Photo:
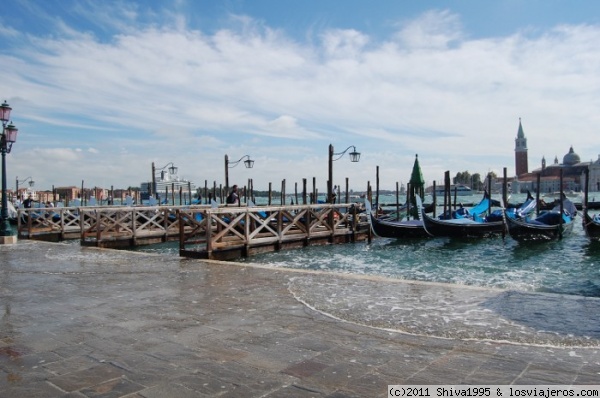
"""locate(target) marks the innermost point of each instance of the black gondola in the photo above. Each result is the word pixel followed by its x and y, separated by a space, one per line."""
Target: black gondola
pixel 387 227
pixel 548 226
pixel 463 227
pixel 591 226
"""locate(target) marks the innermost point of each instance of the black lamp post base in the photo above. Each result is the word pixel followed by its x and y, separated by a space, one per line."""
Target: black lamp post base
pixel 5 229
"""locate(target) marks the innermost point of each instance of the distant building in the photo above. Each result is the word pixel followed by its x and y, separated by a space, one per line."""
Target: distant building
pixel 572 167
pixel 521 164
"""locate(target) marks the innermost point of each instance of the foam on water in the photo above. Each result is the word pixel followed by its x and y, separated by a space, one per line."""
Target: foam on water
pixel 450 311
pixel 570 266
pixel 488 289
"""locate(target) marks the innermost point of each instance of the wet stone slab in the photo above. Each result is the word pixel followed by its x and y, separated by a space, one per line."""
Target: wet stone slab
pixel 86 322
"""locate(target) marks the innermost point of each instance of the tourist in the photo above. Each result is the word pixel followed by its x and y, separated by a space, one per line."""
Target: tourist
pixel 233 197
pixel 28 203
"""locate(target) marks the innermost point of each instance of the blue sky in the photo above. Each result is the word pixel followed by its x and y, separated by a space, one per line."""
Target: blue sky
pixel 101 89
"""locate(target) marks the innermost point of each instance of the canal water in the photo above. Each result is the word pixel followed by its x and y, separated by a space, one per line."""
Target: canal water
pixel 542 293
pixel 569 266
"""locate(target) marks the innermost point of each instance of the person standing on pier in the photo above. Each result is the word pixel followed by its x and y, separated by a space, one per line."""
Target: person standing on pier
pixel 233 197
pixel 28 203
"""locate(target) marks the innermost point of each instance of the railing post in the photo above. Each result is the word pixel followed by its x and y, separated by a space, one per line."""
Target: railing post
pixel 209 243
pixel 133 226
pixel 98 229
pixel 181 231
pixel 81 224
pixel 247 232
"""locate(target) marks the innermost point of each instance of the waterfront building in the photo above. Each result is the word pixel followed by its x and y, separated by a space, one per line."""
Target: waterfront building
pixel 521 161
pixel 572 167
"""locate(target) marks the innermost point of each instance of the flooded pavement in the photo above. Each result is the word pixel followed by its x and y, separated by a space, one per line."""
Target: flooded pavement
pixel 86 322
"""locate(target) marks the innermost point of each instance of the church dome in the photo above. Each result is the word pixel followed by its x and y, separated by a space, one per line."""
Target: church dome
pixel 571 158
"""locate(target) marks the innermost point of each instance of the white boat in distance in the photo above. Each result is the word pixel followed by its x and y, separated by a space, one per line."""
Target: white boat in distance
pixel 461 190
pixel 168 182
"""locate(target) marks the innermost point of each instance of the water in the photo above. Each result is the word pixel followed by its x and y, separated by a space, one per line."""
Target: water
pixel 569 266
pixel 550 291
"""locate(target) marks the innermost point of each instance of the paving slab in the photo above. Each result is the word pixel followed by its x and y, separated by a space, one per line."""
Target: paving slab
pixel 86 322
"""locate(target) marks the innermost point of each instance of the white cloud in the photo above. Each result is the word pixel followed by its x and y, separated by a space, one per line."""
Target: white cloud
pixel 435 29
pixel 175 93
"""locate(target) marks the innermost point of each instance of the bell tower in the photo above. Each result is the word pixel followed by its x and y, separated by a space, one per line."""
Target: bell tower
pixel 521 166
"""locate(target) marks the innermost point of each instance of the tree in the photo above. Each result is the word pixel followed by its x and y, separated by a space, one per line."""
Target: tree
pixel 463 177
pixel 477 184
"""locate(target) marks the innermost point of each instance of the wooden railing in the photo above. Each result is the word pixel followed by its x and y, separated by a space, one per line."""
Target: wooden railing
pixel 202 231
pixel 101 225
pixel 242 231
pixel 62 223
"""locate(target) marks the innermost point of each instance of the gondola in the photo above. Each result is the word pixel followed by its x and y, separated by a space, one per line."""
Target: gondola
pixel 591 225
pixel 461 226
pixel 387 227
pixel 549 225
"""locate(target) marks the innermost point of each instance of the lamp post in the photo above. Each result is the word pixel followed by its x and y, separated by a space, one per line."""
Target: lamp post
pixel 172 170
pixel 249 163
pixel 31 183
pixel 354 157
pixel 8 138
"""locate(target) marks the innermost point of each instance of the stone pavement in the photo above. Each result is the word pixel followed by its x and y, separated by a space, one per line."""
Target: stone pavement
pixel 87 322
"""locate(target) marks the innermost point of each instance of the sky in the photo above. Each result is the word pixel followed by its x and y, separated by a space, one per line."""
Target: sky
pixel 102 89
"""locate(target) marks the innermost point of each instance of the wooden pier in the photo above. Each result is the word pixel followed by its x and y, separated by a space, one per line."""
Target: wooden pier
pixel 202 231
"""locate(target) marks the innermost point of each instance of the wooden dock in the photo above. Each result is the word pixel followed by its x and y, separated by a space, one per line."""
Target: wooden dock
pixel 202 231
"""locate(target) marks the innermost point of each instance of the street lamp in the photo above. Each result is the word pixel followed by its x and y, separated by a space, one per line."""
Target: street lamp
pixel 8 138
pixel 354 157
pixel 249 163
pixel 31 183
pixel 172 170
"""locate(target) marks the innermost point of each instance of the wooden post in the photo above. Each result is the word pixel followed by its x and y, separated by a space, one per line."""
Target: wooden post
pixel 314 190
pixel 249 190
pixel 505 186
pixel 447 201
pixel 330 175
pixel 347 190
pixel 489 176
pixel 283 192
pixel 270 193
pixel 206 191
pixel 455 193
pixel 398 201
pixel 560 218
pixel 537 196
pixel 408 188
pixel 369 198
pixel 377 189
pixel 434 200
pixel 304 191
pixel 584 205
pixel 296 191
